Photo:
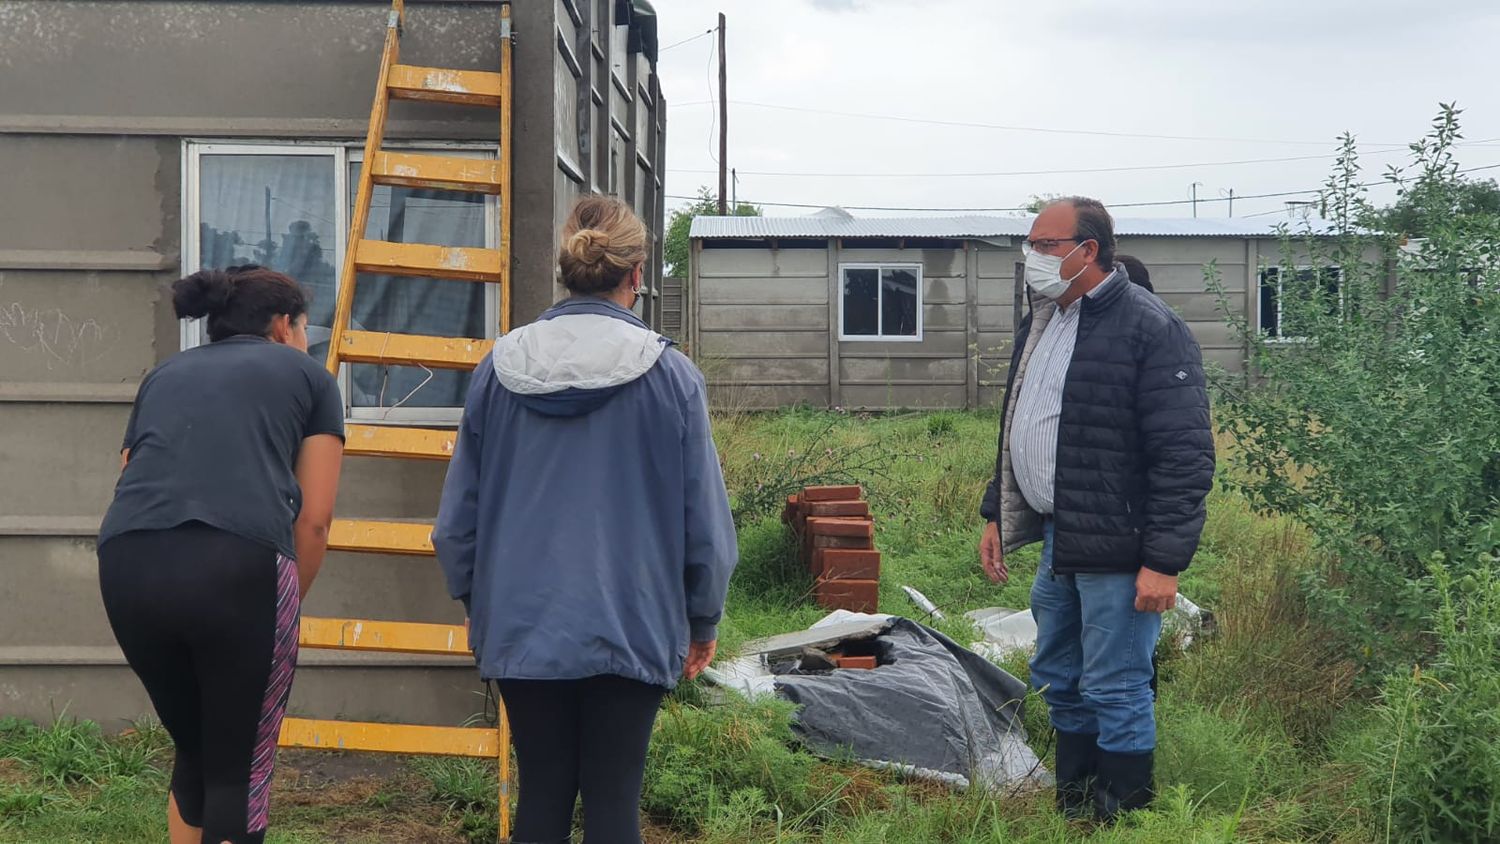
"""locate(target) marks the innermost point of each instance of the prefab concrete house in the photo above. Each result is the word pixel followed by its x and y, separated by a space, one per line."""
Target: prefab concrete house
pixel 831 310
pixel 140 141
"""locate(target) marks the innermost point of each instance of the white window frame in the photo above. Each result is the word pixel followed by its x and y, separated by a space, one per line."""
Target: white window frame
pixel 1260 283
pixel 879 297
pixel 342 154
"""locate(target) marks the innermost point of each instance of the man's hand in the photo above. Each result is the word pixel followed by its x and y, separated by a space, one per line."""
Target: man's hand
pixel 1154 591
pixel 700 654
pixel 990 555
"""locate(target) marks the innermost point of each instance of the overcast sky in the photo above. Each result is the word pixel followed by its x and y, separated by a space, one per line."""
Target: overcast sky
pixel 1231 79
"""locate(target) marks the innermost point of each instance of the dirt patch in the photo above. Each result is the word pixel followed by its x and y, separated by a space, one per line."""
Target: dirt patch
pixel 11 772
pixel 391 831
pixel 311 768
pixel 351 797
pixel 653 834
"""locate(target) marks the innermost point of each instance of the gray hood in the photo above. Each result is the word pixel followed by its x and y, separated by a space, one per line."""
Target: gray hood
pixel 576 356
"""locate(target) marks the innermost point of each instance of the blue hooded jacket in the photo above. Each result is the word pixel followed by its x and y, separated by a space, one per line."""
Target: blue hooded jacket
pixel 584 521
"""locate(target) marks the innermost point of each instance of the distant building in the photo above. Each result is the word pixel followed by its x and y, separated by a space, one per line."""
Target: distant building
pixel 833 310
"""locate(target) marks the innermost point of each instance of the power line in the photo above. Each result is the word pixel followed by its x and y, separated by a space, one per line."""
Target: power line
pixel 1038 129
pixel 1157 204
pixel 710 31
pixel 1121 169
pixel 1026 172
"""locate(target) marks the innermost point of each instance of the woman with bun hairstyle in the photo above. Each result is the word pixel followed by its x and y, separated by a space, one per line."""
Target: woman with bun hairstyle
pixel 585 527
pixel 219 523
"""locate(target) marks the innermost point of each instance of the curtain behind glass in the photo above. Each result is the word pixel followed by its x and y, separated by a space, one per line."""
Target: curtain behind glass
pixel 418 305
pixel 278 211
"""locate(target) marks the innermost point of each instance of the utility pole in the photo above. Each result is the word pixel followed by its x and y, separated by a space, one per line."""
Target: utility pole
pixel 734 189
pixel 1195 199
pixel 723 125
pixel 1231 202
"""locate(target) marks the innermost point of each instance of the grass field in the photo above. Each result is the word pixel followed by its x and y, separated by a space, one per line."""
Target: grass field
pixel 1255 724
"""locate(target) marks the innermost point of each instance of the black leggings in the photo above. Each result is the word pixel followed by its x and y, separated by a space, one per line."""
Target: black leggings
pixel 587 736
pixel 208 621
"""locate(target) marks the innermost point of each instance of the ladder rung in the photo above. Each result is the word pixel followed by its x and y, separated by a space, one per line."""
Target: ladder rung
pixel 371 537
pixel 437 172
pixel 478 742
pixel 413 350
pixel 399 637
pixel 435 84
pixel 388 441
pixel 428 261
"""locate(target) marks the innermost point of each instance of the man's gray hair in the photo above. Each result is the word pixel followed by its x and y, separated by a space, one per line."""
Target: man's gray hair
pixel 1094 223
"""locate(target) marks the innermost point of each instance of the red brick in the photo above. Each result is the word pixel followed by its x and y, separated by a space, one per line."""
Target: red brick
pixel 790 512
pixel 839 508
pixel 862 542
pixel 862 662
pixel 847 564
pixel 840 527
pixel 832 493
pixel 854 595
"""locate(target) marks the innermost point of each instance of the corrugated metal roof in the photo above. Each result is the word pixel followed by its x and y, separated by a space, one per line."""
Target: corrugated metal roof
pixel 837 223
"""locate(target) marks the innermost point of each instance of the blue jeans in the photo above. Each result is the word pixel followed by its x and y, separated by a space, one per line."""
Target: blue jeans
pixel 1093 655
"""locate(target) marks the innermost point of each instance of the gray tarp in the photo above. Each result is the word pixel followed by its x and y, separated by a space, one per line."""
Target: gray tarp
pixel 931 707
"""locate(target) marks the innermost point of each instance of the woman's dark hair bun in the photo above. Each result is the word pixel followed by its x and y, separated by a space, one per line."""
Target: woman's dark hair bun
pixel 203 293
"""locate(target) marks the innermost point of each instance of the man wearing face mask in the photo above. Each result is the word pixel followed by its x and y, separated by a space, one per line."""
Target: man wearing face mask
pixel 1106 457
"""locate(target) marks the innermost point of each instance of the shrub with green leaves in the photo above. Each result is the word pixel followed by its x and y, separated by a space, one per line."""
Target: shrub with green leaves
pixel 1431 756
pixel 1375 417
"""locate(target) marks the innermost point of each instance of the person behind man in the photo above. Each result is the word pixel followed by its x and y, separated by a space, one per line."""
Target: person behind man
pixel 586 529
pixel 1136 270
pixel 1106 457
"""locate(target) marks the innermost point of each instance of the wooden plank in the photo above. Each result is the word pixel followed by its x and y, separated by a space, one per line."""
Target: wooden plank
pixel 437 172
pixel 835 302
pixel 475 742
pixel 971 324
pixel 372 537
pixel 771 344
pixel 413 350
pixel 388 441
pixel 934 262
pixel 787 371
pixel 764 263
pixel 904 396
pixel 427 261
pixel 443 85
pixel 395 637
pixel 896 370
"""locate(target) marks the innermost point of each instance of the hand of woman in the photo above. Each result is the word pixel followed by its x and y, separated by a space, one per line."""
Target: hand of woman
pixel 700 654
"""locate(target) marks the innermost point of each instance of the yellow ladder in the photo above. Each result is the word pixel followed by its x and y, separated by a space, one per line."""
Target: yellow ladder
pixel 484 89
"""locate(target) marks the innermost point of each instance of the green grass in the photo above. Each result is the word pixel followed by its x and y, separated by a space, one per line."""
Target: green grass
pixel 1250 720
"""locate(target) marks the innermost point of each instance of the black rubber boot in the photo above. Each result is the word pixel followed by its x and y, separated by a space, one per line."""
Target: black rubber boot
pixel 1122 784
pixel 1076 761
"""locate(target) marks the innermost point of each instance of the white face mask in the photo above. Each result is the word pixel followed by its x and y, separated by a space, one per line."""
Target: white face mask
pixel 1044 274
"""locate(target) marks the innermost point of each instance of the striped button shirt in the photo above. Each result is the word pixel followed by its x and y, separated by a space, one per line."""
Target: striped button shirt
pixel 1033 428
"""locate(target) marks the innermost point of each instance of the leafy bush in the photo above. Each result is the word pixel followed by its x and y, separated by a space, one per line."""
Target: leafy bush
pixel 1376 422
pixel 1431 758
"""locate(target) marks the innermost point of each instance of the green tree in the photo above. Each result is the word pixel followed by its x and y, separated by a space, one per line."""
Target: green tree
pixel 678 246
pixel 1431 187
pixel 1375 417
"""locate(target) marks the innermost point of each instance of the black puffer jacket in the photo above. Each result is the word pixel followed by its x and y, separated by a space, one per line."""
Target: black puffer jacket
pixel 1135 449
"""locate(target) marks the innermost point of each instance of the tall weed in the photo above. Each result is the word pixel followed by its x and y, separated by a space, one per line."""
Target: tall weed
pixel 1431 756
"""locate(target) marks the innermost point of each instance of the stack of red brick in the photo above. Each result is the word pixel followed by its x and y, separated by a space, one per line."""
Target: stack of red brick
pixel 837 536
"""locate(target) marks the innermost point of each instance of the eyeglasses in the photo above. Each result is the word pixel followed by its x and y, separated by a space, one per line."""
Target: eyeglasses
pixel 1048 245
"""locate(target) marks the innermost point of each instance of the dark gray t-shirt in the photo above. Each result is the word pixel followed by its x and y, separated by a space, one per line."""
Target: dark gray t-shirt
pixel 214 438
